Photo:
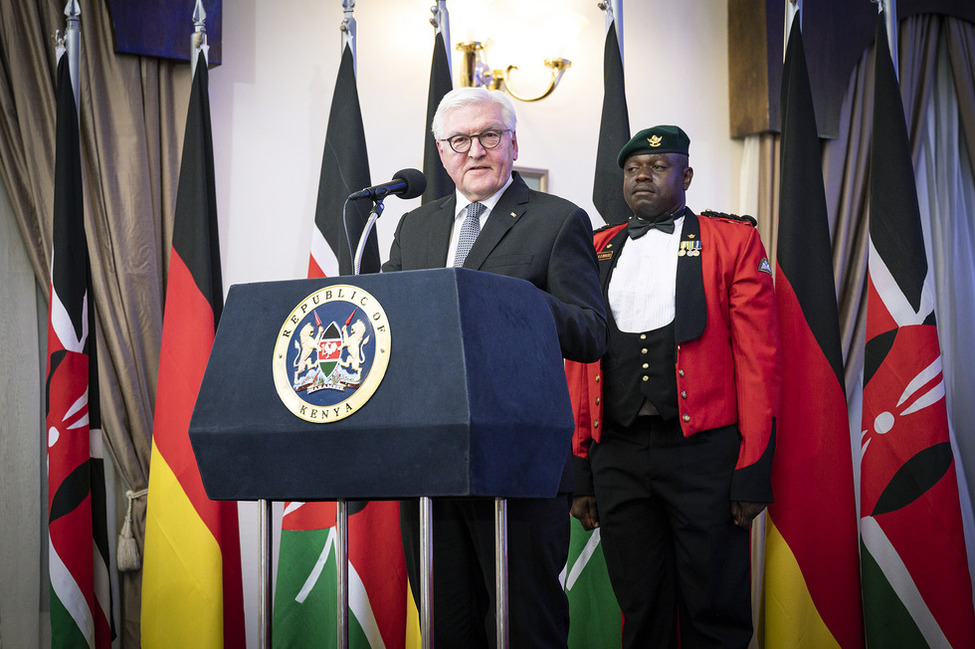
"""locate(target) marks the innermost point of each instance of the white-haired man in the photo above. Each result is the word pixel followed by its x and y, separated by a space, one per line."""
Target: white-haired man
pixel 495 223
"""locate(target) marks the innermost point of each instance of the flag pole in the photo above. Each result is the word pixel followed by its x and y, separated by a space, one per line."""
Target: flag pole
pixel 889 9
pixel 348 29
pixel 72 32
pixel 613 10
pixel 441 25
pixel 792 7
pixel 198 41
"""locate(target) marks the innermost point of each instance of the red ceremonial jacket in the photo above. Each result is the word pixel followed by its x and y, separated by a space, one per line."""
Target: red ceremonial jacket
pixel 727 338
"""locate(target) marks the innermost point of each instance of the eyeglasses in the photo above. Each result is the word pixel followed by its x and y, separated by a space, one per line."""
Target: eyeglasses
pixel 489 139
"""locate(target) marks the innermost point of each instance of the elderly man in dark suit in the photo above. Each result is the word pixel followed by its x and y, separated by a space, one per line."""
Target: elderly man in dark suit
pixel 495 223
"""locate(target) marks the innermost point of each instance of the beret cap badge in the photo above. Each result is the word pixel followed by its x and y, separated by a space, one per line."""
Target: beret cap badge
pixel 655 140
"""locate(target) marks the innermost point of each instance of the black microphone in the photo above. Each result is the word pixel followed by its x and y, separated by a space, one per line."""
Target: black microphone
pixel 406 183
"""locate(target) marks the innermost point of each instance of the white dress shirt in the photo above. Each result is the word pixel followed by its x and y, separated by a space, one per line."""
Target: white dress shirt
pixel 643 286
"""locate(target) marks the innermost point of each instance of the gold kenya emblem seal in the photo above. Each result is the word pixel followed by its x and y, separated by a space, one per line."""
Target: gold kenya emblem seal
pixel 331 353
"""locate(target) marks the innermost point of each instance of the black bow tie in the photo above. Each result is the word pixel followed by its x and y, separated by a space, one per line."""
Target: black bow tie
pixel 638 227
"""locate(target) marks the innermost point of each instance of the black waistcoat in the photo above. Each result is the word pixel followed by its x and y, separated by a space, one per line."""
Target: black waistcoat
pixel 637 367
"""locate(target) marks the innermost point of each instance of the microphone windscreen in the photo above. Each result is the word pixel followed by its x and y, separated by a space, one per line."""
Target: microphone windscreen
pixel 415 181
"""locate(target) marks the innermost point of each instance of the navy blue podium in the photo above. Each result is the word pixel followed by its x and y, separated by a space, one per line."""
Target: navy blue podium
pixel 473 402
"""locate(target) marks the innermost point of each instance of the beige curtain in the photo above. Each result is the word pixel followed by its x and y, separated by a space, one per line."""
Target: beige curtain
pixel 845 162
pixel 960 36
pixel 21 384
pixel 767 210
pixel 132 111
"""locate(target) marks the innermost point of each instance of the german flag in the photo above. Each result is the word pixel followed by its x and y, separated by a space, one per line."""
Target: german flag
pixel 191 580
pixel 811 587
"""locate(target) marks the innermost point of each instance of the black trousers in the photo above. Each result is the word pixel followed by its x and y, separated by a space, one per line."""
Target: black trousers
pixel 463 570
pixel 672 549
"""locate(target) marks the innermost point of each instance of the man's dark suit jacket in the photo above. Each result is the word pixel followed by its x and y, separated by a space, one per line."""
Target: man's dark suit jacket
pixel 530 235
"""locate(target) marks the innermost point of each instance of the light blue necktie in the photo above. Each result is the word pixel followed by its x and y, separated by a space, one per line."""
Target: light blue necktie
pixel 468 232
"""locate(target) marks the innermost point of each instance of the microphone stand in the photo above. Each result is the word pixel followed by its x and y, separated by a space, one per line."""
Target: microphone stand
pixel 426 522
pixel 377 209
pixel 341 505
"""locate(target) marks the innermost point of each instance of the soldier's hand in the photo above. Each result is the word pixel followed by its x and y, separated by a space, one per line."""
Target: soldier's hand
pixel 744 512
pixel 584 508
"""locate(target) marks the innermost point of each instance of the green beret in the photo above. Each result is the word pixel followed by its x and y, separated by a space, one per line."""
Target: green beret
pixel 657 139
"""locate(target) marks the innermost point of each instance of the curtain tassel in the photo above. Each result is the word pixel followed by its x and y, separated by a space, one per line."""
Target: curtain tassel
pixel 127 554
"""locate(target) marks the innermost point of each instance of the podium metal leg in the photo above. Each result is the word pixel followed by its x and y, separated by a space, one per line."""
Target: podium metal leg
pixel 501 570
pixel 426 573
pixel 342 573
pixel 264 599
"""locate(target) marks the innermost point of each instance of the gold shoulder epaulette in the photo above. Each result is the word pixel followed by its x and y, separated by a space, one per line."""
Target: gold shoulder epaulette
pixel 744 218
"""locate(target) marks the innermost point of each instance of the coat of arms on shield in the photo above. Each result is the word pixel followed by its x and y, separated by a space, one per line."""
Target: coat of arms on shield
pixel 331 353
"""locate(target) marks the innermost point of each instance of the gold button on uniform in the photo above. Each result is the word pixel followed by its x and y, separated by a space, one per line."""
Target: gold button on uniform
pixel 645 378
pixel 686 417
pixel 597 378
pixel 646 366
pixel 643 351
pixel 683 394
pixel 681 372
pixel 595 423
pixel 643 336
pixel 597 401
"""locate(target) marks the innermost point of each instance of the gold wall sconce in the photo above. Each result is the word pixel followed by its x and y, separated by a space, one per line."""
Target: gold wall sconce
pixel 477 73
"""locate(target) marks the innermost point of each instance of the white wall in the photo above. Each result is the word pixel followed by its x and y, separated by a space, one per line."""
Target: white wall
pixel 270 98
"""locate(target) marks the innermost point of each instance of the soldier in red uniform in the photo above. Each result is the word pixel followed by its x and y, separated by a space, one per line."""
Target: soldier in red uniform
pixel 675 426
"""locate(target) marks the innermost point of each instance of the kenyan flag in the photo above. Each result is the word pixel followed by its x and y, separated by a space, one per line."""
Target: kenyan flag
pixel 305 592
pixel 916 587
pixel 594 616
